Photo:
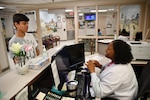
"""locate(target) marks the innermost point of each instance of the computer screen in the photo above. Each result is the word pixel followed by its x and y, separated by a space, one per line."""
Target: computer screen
pixel 70 57
pixel 67 59
pixel 90 16
pixel 62 59
pixel 76 55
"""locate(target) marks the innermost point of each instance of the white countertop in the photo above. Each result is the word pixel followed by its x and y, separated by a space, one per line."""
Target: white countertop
pixel 107 41
pixel 11 82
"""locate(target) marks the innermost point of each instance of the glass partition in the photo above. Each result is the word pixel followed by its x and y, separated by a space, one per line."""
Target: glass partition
pixel 107 20
pixel 58 22
pixel 129 19
pixel 86 21
pixel 87 27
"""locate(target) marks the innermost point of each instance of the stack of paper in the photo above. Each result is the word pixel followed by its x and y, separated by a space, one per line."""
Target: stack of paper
pixel 38 63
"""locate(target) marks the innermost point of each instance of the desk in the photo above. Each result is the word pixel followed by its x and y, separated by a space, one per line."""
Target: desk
pixel 140 50
pixel 11 83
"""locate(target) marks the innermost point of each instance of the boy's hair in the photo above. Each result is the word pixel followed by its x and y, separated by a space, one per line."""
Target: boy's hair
pixel 19 17
pixel 122 51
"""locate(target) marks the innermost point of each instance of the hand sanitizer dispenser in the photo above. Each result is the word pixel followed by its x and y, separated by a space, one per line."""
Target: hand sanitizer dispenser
pixel 45 54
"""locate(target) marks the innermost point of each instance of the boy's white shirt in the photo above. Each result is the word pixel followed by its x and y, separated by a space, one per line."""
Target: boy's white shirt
pixel 30 40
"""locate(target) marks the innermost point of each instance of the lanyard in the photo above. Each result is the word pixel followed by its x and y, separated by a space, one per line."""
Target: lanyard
pixel 108 65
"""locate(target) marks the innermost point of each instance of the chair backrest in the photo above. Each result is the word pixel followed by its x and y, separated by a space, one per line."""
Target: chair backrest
pixel 144 80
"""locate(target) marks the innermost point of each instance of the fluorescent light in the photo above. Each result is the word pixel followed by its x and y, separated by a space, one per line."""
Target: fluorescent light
pixel 99 10
pixel 102 10
pixel 2 7
pixel 80 14
pixel 93 10
pixel 110 9
pixel 68 10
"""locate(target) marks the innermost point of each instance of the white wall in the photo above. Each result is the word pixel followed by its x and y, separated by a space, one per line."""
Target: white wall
pixel 47 16
pixel 32 21
pixel 85 32
pixel 61 32
pixel 104 20
pixel 8 23
pixel 3 52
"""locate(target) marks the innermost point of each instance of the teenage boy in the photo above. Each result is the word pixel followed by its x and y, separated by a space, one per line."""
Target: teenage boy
pixel 20 22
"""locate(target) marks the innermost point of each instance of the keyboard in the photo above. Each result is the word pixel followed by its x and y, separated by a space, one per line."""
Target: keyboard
pixel 52 96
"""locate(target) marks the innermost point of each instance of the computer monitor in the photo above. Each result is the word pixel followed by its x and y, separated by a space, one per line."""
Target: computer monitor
pixel 76 55
pixel 62 59
pixel 68 58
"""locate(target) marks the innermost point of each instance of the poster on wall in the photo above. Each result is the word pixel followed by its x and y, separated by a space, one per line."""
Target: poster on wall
pixel 59 25
pixel 3 27
pixel 64 19
pixel 91 25
pixel 58 18
pixel 82 24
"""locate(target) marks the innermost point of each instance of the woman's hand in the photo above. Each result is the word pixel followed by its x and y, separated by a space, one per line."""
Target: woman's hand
pixel 97 64
pixel 91 66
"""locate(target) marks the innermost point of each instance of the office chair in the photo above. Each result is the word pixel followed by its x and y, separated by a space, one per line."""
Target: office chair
pixel 144 83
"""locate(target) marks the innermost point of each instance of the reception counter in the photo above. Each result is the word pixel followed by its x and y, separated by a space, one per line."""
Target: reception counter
pixel 11 83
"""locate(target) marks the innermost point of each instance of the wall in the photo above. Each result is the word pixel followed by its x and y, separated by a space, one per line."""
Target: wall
pixel 104 20
pixel 62 31
pixel 3 52
pixel 49 16
pixel 129 18
pixel 87 30
pixel 32 21
pixel 8 16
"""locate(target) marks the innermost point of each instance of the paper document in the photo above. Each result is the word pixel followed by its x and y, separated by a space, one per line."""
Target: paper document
pixel 40 96
pixel 100 58
pixel 55 74
pixel 67 98
pixel 71 75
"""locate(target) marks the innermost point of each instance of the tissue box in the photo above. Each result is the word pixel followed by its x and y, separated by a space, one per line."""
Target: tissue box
pixel 38 63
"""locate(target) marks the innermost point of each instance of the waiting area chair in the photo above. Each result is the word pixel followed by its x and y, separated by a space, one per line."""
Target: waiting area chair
pixel 144 83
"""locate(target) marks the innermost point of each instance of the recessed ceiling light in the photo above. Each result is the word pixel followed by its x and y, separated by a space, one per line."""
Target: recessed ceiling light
pixel 2 7
pixel 80 14
pixel 99 10
pixel 68 10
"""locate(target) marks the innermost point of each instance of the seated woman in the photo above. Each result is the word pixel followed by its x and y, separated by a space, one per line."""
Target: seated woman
pixel 117 79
